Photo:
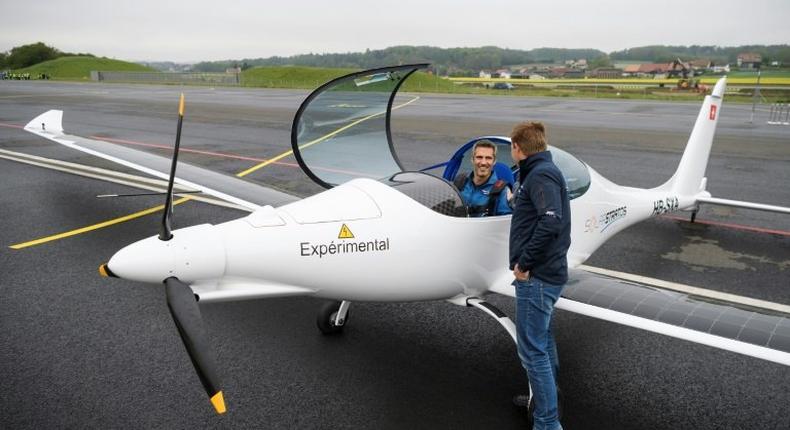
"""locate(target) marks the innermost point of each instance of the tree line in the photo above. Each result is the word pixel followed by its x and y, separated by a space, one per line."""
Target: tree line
pixel 28 55
pixel 459 61
pixel 717 54
pixel 443 60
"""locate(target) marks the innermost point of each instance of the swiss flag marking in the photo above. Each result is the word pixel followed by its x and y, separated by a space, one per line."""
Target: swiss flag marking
pixel 712 115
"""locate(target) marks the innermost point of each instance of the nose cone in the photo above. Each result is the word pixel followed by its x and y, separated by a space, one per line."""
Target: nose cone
pixel 194 253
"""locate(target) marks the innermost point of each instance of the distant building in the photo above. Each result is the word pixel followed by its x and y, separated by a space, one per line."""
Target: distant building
pixel 647 70
pixel 576 64
pixel 503 73
pixel 606 73
pixel 631 70
pixel 557 72
pixel 749 60
pixel 485 74
pixel 233 70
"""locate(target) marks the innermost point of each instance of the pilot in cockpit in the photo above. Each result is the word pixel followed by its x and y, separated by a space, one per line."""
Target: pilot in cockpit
pixel 483 192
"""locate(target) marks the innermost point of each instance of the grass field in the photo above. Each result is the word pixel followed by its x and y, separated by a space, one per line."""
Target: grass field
pixel 79 68
pixel 312 77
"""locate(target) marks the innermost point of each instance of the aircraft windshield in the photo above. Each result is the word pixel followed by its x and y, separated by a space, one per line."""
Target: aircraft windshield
pixel 342 130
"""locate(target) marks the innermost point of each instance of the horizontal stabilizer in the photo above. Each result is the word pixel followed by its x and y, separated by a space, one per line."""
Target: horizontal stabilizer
pixel 227 188
pixel 744 205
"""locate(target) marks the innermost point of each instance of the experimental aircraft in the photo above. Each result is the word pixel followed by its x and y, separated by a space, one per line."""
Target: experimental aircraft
pixel 360 242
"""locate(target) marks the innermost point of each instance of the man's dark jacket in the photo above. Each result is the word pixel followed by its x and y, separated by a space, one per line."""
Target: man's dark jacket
pixel 540 231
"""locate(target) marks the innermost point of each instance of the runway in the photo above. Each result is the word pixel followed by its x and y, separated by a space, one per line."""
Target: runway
pixel 83 351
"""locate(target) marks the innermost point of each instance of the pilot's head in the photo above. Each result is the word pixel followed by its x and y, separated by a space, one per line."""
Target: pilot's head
pixel 483 159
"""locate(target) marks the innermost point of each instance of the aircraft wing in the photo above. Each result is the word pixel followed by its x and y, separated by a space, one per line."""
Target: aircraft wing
pixel 751 330
pixel 233 190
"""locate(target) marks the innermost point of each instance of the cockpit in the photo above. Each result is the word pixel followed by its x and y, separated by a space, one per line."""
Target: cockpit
pixel 342 132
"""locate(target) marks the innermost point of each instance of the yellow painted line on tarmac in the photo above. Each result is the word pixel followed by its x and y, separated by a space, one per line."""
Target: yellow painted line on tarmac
pixel 321 139
pixel 95 226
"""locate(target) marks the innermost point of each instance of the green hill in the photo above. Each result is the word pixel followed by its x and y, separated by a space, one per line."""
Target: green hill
pixel 290 77
pixel 80 67
pixel 312 77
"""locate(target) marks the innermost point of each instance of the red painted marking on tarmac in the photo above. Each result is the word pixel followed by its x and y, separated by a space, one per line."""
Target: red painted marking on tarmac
pixel 732 226
pixel 195 151
pixel 225 155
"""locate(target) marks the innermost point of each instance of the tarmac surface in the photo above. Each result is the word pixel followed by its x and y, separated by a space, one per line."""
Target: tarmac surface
pixel 81 351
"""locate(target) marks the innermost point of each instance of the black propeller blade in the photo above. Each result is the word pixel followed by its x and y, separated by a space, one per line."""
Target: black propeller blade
pixel 184 309
pixel 165 229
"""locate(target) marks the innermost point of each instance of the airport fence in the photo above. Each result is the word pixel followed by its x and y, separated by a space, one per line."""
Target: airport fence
pixel 190 78
pixel 780 114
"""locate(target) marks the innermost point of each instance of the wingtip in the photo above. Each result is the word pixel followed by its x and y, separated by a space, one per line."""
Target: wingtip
pixel 50 121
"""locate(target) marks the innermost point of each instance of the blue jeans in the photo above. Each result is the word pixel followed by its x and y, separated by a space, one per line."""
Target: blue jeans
pixel 537 350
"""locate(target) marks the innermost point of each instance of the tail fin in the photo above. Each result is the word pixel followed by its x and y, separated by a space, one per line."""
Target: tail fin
pixel 690 175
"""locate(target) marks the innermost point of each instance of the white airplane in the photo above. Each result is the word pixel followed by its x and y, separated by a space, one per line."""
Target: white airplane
pixel 382 234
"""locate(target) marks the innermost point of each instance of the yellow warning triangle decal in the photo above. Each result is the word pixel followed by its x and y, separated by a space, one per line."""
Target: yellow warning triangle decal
pixel 345 233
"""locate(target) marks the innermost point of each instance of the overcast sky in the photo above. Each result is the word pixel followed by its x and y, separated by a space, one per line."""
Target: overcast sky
pixel 189 31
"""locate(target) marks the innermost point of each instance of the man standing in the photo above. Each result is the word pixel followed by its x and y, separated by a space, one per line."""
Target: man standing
pixel 540 235
pixel 484 194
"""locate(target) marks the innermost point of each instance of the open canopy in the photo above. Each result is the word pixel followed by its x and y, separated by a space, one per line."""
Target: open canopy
pixel 342 130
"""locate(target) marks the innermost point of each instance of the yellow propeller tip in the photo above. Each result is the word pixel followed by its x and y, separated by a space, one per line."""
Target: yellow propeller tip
pixel 105 271
pixel 181 105
pixel 218 400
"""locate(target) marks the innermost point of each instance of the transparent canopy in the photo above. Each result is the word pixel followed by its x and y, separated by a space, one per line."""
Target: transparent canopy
pixel 342 130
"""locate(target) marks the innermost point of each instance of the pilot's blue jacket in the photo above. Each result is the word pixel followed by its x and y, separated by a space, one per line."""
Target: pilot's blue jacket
pixel 540 231
pixel 477 197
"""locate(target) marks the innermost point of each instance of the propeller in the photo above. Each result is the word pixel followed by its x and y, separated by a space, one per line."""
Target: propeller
pixel 186 314
pixel 182 302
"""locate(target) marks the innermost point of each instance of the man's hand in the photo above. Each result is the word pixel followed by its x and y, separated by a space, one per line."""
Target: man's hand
pixel 520 276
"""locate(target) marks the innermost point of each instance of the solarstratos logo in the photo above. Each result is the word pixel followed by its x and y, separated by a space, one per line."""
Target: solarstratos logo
pixel 601 222
pixel 344 245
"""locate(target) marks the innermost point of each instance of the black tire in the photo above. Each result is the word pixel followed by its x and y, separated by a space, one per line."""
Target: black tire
pixel 326 317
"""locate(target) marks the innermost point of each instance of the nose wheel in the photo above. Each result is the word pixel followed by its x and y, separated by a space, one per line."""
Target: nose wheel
pixel 332 317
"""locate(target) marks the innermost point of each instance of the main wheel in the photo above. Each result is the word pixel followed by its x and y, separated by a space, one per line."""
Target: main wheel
pixel 326 318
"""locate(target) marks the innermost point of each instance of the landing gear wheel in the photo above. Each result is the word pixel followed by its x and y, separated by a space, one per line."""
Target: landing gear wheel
pixel 326 318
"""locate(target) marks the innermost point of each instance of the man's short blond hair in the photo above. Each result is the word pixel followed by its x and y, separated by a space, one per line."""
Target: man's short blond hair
pixel 484 143
pixel 530 136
